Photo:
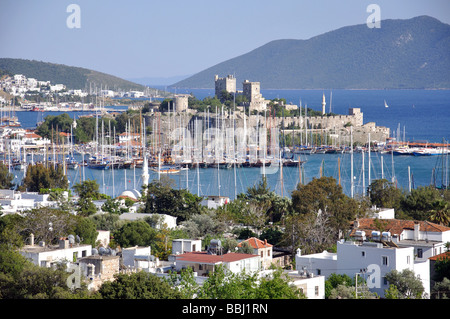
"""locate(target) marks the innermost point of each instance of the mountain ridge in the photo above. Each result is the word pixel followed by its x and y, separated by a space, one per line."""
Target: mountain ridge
pixel 402 54
pixel 72 77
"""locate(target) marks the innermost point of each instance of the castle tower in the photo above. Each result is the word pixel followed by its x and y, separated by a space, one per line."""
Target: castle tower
pixel 323 104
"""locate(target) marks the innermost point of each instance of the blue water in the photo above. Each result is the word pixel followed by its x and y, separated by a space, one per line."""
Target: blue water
pixel 424 114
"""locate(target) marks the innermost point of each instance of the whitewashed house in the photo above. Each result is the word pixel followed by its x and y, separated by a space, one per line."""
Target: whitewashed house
pixel 45 256
pixel 204 263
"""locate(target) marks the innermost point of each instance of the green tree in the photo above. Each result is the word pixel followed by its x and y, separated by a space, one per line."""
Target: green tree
pixel 320 212
pixel 409 286
pixel 86 229
pixel 46 224
pixel 39 176
pixel 107 221
pixel 88 189
pixel 6 177
pixel 441 290
pixel 418 204
pixel 161 198
pixel 136 233
pixel 442 268
pixel 202 225
pixel 385 194
pixel 141 285
pixel 20 279
pixel 184 282
pixel 334 280
pixel 227 285
pixel 440 213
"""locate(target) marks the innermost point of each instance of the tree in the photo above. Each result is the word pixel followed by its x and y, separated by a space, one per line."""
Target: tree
pixel 202 225
pixel 419 203
pixel 136 233
pixel 442 268
pixel 161 198
pixel 408 285
pixel 88 189
pixel 85 228
pixel 227 285
pixel 245 248
pixel 6 177
pixel 87 192
pixel 39 176
pixel 321 212
pixel 383 193
pixel 440 214
pixel 46 224
pixel 334 280
pixel 441 290
pixel 141 285
pixel 20 279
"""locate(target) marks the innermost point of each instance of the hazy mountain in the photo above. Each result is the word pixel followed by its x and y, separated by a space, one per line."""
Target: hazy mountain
pixel 158 81
pixel 412 53
pixel 72 77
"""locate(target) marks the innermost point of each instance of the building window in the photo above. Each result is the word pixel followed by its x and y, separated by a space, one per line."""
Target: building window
pixel 262 254
pixel 385 282
pixel 419 252
pixel 384 260
pixel 316 290
pixel 363 254
pixel 318 272
pixel 408 260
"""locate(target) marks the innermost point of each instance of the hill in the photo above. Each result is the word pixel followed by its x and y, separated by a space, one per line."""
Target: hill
pixel 411 53
pixel 72 77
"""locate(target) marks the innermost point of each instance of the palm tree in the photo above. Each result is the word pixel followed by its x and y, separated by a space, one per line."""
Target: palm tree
pixel 440 214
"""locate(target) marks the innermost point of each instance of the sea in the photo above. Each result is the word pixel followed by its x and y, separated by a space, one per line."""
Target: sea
pixel 412 115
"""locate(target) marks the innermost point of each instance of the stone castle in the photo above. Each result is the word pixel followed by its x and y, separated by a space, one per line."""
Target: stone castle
pixel 337 126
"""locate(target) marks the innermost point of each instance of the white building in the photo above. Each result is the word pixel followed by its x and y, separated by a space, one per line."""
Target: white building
pixel 261 248
pixel 427 239
pixel 138 257
pixel 170 221
pixel 312 286
pixel 370 260
pixel 181 246
pixel 44 256
pixel 216 201
pixel 204 263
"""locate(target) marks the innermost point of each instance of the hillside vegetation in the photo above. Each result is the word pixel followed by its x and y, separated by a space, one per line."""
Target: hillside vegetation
pixel 412 53
pixel 71 77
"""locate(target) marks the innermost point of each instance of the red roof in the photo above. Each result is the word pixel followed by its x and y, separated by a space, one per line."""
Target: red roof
pixel 256 243
pixel 445 255
pixel 397 226
pixel 32 135
pixel 205 258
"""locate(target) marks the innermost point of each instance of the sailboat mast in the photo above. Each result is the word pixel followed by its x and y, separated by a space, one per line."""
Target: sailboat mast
pixel 351 161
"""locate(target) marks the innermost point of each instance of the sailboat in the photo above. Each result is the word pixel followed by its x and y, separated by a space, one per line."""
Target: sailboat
pixel 385 104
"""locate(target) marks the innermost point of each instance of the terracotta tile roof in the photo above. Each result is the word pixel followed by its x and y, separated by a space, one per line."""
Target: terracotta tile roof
pixel 445 255
pixel 256 243
pixel 32 135
pixel 205 258
pixel 396 226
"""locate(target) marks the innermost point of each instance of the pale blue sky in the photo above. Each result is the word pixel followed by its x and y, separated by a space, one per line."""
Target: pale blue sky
pixel 138 38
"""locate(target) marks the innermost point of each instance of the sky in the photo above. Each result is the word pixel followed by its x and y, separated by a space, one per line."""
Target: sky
pixel 166 38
